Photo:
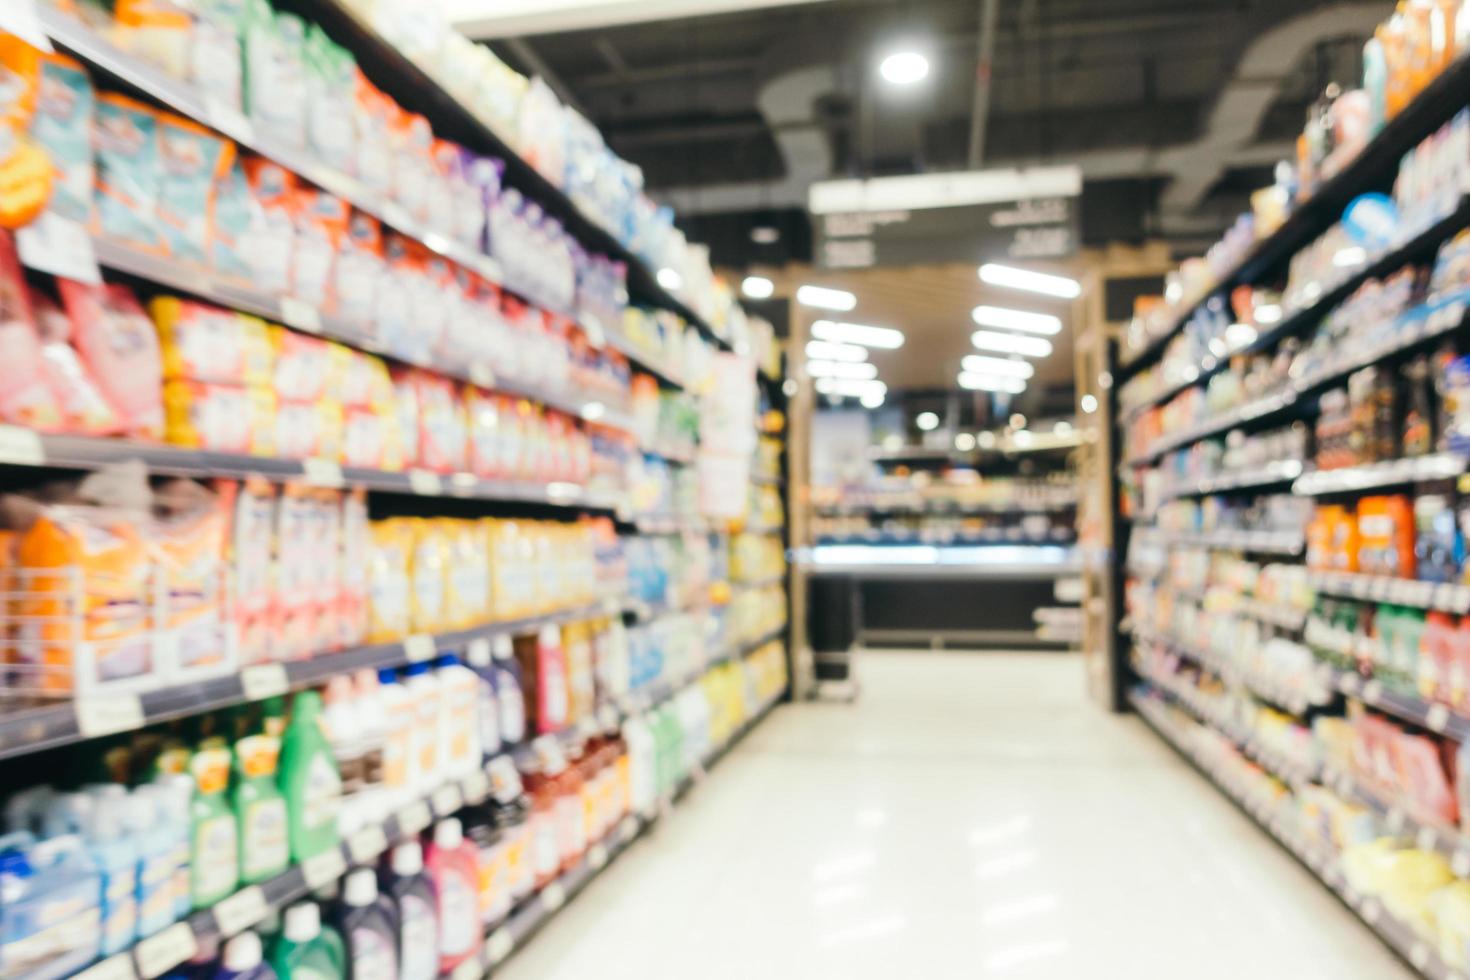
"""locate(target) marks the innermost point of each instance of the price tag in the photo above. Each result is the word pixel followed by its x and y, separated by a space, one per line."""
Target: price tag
pixel 19 17
pixel 470 969
pixel 300 315
pixel 21 446
pixel 481 375
pixel 628 829
pixel 163 951
pixel 240 911
pixel 476 787
pixel 505 778
pixel 1371 911
pixel 414 817
pixel 326 867
pixel 1419 956
pixel 119 967
pixel 425 484
pixel 367 844
pixel 264 681
pixel 553 897
pixel 477 652
pixel 499 945
pixel 418 648
pixel 98 715
pixel 228 119
pixel 1426 838
pixel 597 857
pixel 504 647
pixel 322 473
pixel 1437 717
pixel 447 800
pixel 59 246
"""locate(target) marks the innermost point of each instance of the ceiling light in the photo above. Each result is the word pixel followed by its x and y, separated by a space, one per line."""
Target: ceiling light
pixel 904 68
pixel 872 398
pixel 979 364
pixel 758 287
pixel 841 369
pixel 975 381
pixel 964 442
pixel 1239 335
pixel 1033 282
pixel 1270 313
pixel 1007 319
pixel 823 350
pixel 670 279
pixel 1089 404
pixel 986 440
pixel 765 235
pixel 926 421
pixel 857 333
pixel 1346 258
pixel 1011 343
pixel 849 387
pixel 826 299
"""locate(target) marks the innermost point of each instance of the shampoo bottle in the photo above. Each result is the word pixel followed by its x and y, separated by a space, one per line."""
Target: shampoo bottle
pixel 309 781
pixel 418 922
pixel 454 870
pixel 115 854
pixel 368 929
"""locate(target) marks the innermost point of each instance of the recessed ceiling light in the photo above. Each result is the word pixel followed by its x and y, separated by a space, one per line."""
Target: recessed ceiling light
pixel 1033 282
pixel 765 235
pixel 872 398
pixel 904 68
pixel 670 279
pixel 979 364
pixel 964 442
pixel 975 381
pixel 823 350
pixel 1018 421
pixel 926 421
pixel 841 369
pixel 758 287
pixel 824 298
pixel 849 387
pixel 1089 404
pixel 1011 343
pixel 886 338
pixel 1008 319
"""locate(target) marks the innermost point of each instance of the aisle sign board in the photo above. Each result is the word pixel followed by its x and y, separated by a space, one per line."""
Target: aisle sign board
pixel 975 216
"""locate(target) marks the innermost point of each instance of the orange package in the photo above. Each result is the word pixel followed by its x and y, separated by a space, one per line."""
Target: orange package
pixel 372 117
pixel 412 143
pixel 86 616
pixel 321 226
pixel 252 556
pixel 272 194
pixel 189 541
pixel 358 269
pixel 26 173
pixel 1386 536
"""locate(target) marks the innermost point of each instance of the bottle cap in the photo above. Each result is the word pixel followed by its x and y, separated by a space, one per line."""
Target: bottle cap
pixel 448 833
pixel 408 859
pixel 303 922
pixel 242 953
pixel 361 889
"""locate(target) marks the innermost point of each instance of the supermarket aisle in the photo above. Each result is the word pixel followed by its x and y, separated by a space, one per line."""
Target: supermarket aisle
pixel 971 816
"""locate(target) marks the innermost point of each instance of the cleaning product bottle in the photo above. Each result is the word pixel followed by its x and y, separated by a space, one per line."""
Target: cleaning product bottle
pixel 454 869
pixel 399 717
pixel 215 835
pixel 242 958
pixel 115 853
pixel 309 781
pixel 418 922
pixel 175 797
pixel 487 705
pixel 459 735
pixel 341 723
pixel 425 693
pixel 304 951
pixel 157 863
pixel 374 731
pixel 260 809
pixel 368 928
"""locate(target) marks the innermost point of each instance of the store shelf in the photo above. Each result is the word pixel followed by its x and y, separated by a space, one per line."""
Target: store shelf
pixel 25 730
pixel 1276 821
pixel 1427 835
pixel 940 510
pixel 1255 542
pixel 1443 596
pixel 943 538
pixel 414 89
pixel 1296 695
pixel 1374 168
pixel 1273 473
pixel 1390 473
pixel 1260 409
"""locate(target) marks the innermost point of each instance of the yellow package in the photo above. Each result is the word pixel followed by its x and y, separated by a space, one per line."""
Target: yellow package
pixel 261 408
pixel 331 425
pixel 26 171
pixel 85 618
pixel 190 546
pixel 364 439
pixel 218 417
pixel 388 580
pixel 156 30
pixel 339 366
pixel 199 342
pixel 468 600
pixel 260 351
pixel 428 572
pixel 501 542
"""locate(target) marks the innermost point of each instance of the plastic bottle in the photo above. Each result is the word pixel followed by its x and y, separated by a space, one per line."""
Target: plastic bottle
pixel 487 703
pixel 418 923
pixel 309 781
pixel 243 958
pixel 425 694
pixel 453 868
pixel 399 758
pixel 52 895
pixel 260 809
pixel 175 798
pixel 369 929
pixel 512 701
pixel 214 851
pixel 115 853
pixel 341 721
pixel 304 950
pixel 459 733
pixel 155 841
pixel 373 728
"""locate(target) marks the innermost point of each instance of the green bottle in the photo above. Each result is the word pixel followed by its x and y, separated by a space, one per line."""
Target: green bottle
pixel 306 951
pixel 260 809
pixel 214 867
pixel 309 780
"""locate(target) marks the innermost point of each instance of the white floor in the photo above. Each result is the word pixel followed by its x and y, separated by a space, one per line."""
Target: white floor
pixel 971 816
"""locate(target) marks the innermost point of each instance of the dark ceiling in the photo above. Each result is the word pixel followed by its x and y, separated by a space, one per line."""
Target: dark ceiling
pixel 1175 109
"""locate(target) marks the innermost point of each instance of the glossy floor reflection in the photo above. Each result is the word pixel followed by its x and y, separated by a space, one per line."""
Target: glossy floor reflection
pixel 972 815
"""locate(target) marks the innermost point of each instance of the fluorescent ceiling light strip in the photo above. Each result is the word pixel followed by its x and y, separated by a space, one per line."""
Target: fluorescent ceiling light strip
pixel 979 364
pixel 1010 343
pixel 885 338
pixel 842 369
pixel 991 382
pixel 1022 320
pixel 1032 282
pixel 824 298
pixel 849 387
pixel 758 287
pixel 823 350
pixel 943 190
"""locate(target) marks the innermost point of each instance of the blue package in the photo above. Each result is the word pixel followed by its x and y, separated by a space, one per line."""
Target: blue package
pixel 127 172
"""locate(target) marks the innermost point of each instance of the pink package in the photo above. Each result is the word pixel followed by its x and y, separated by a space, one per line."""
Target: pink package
pixel 442 436
pixel 1422 774
pixel 25 397
pixel 84 410
pixel 302 367
pixel 482 410
pixel 119 348
pixel 406 403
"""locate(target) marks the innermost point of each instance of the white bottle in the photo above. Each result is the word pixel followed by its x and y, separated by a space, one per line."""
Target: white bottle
pixel 427 768
pixel 400 754
pixel 459 730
